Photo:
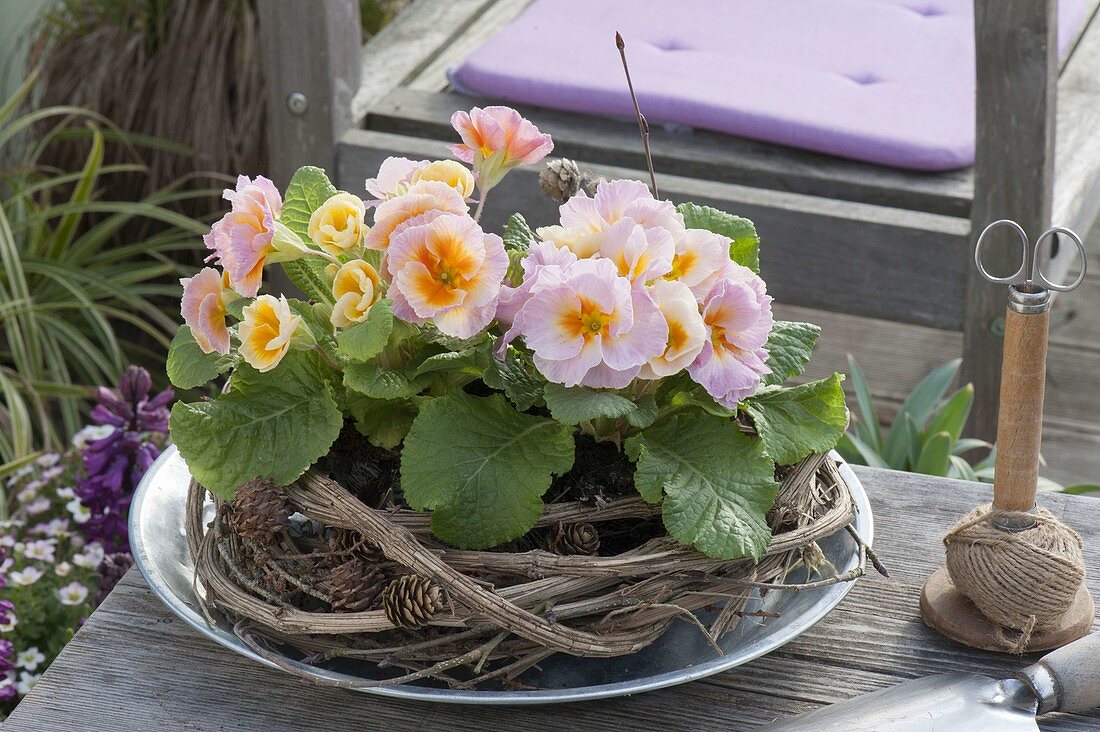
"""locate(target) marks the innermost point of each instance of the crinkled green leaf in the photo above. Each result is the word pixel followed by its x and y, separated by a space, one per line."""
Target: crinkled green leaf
pixel 517 234
pixel 363 341
pixel 645 412
pixel 744 241
pixel 384 422
pixel 482 468
pixel 188 366
pixel 471 361
pixel 573 405
pixel 800 420
pixel 935 455
pixel 516 378
pixel 370 379
pixel 789 348
pixel 718 484
pixel 272 425
pixel 308 189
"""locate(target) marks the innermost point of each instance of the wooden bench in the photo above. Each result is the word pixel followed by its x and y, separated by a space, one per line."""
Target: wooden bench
pixel 134 667
pixel 891 246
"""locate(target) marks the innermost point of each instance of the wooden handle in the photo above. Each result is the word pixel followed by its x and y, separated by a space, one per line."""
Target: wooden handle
pixel 1068 679
pixel 1020 425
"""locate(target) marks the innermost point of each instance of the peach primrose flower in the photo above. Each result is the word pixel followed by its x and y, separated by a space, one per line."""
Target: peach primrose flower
pixel 337 225
pixel 241 239
pixel 354 288
pixel 585 220
pixel 639 254
pixel 447 270
pixel 590 326
pixel 495 140
pixel 454 174
pixel 203 306
pixel 701 260
pixel 686 330
pixel 539 256
pixel 394 176
pixel 410 208
pixel 266 331
pixel 738 318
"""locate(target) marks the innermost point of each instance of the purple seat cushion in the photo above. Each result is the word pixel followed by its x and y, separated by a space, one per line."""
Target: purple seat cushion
pixel 887 81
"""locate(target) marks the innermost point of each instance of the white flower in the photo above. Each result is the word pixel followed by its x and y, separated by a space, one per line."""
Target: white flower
pixel 7 541
pixel 73 593
pixel 52 472
pixel 63 569
pixel 56 527
pixel 66 493
pixel 42 550
pixel 48 460
pixel 38 506
pixel 91 557
pixel 91 433
pixel 9 626
pixel 27 576
pixel 27 682
pixel 6 565
pixel 29 659
pixel 79 511
pixel 27 494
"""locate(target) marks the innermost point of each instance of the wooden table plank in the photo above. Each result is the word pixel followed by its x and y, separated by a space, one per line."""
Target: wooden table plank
pixel 133 666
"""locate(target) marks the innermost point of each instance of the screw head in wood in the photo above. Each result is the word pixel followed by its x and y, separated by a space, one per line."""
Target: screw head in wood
pixel 297 103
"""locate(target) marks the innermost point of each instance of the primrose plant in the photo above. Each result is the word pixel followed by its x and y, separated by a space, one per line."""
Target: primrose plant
pixel 482 357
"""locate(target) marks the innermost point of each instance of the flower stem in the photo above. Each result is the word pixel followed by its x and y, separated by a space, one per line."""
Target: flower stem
pixel 480 206
pixel 643 125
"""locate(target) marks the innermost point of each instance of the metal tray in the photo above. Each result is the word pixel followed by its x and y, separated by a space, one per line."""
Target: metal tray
pixel 682 654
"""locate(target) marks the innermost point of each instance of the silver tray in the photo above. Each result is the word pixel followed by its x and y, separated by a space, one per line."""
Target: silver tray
pixel 682 654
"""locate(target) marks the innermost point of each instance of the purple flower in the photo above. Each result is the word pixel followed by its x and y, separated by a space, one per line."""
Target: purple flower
pixel 114 464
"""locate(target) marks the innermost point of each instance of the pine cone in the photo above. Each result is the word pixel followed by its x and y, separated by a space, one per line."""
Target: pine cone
pixel 260 511
pixel 411 601
pixel 579 539
pixel 354 586
pixel 560 179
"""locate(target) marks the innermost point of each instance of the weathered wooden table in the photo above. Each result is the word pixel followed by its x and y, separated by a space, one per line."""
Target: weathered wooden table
pixel 134 666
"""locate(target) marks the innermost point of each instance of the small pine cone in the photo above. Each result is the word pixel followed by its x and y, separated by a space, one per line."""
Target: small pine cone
pixel 260 511
pixel 411 601
pixel 579 539
pixel 560 179
pixel 354 586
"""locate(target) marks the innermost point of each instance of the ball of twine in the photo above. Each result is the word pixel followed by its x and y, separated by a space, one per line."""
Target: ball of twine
pixel 1021 580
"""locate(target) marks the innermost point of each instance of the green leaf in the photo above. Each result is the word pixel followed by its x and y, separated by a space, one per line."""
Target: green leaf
pixel 1082 489
pixel 645 412
pixel 372 380
pixel 308 189
pixel 789 348
pixel 188 366
pixel 471 361
pixel 272 425
pixel 744 241
pixel 851 447
pixel 384 422
pixel 514 274
pixel 867 427
pixel 482 467
pixel 363 341
pixel 913 443
pixel 952 416
pixel 961 469
pixel 517 234
pixel 573 405
pixel 935 455
pixel 718 484
pixel 521 383
pixel 966 444
pixel 798 421
pixel 927 394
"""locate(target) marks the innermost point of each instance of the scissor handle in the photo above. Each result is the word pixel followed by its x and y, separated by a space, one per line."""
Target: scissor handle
pixel 1031 271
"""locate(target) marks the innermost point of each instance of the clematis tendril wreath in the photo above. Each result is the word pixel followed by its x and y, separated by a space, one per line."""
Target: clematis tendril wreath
pixel 468 409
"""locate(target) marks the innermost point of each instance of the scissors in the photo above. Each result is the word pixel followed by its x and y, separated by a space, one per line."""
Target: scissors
pixel 1031 270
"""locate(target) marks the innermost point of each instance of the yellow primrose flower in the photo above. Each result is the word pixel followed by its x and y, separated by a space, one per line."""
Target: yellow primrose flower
pixel 337 224
pixel 355 289
pixel 266 331
pixel 453 173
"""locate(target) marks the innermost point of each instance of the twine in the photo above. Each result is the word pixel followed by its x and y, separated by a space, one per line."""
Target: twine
pixel 1023 581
